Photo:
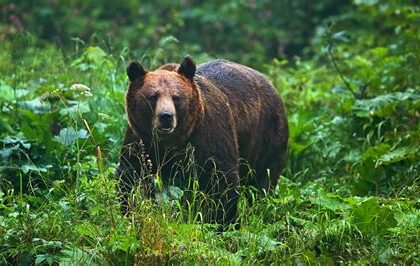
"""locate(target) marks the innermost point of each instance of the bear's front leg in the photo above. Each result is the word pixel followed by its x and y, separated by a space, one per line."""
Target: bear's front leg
pixel 219 178
pixel 227 192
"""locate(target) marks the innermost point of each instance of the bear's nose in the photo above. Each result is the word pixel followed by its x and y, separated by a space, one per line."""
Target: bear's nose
pixel 166 117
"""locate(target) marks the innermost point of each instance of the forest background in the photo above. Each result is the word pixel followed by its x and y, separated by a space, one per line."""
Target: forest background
pixel 348 74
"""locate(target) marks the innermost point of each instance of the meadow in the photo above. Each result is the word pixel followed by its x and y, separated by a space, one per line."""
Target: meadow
pixel 349 78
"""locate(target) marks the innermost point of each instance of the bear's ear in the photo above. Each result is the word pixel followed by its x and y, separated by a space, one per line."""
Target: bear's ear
pixel 187 68
pixel 135 71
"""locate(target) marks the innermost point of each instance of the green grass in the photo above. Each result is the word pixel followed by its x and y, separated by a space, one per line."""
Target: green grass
pixel 349 194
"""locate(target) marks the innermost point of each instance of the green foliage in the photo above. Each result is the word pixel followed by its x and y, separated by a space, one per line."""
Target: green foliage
pixel 364 118
pixel 350 192
pixel 248 31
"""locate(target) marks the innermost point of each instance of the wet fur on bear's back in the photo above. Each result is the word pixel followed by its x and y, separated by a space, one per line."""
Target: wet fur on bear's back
pixel 258 113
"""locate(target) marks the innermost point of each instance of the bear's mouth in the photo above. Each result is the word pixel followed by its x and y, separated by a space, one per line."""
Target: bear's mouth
pixel 165 130
pixel 165 124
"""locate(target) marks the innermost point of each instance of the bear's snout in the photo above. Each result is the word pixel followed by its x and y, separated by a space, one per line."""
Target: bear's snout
pixel 166 121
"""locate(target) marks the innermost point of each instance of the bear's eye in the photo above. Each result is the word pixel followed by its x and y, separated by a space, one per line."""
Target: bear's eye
pixel 152 98
pixel 176 99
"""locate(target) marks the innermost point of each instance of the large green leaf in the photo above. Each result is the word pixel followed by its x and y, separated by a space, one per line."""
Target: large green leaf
pixel 75 108
pixel 386 104
pixel 68 136
pixel 372 218
pixel 330 201
pixel 399 154
pixel 35 106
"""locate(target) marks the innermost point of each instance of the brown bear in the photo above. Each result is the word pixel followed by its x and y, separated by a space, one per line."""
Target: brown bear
pixel 229 113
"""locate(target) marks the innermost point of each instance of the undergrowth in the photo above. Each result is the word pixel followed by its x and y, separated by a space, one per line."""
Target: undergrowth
pixel 350 192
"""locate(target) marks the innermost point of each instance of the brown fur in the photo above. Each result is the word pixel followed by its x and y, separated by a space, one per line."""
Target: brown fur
pixel 226 111
pixel 169 67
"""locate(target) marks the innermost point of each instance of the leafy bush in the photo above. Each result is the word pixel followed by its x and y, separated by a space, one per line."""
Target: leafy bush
pixel 366 118
pixel 349 193
pixel 247 31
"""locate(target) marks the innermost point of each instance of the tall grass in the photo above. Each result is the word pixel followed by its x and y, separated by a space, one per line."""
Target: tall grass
pixel 58 194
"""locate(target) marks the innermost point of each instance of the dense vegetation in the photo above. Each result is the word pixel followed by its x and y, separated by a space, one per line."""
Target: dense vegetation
pixel 348 73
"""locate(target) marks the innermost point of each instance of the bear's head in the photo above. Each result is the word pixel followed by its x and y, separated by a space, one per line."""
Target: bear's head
pixel 165 101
